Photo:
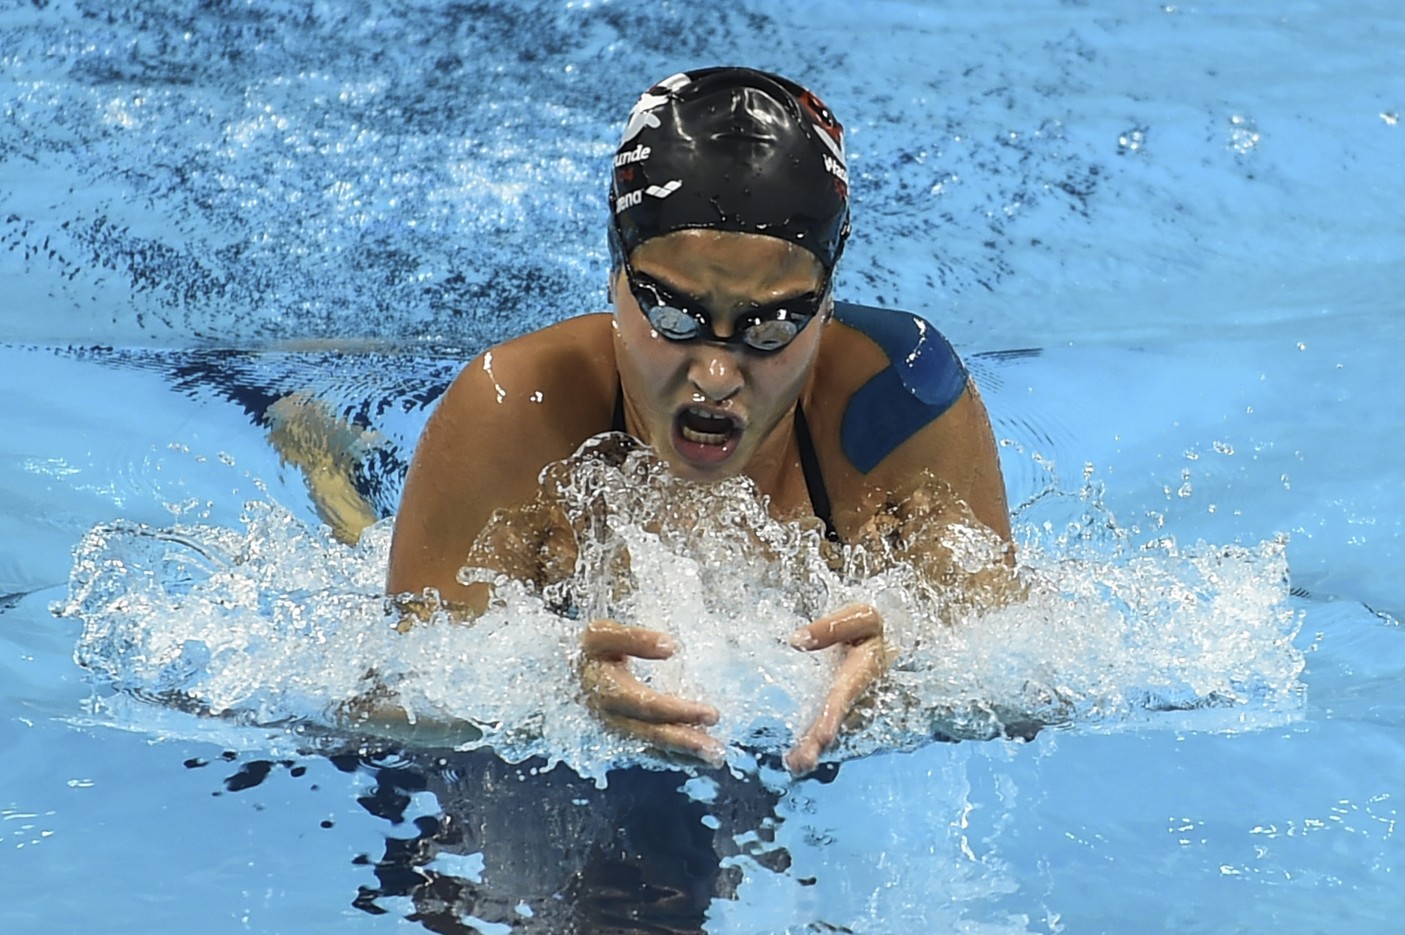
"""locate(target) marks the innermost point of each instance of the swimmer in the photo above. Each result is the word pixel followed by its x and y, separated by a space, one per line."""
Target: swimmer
pixel 727 353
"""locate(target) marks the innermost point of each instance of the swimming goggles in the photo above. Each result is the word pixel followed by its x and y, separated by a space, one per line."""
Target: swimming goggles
pixel 764 328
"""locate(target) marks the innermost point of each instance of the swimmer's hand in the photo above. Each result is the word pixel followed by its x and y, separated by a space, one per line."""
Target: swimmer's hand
pixel 858 628
pixel 625 704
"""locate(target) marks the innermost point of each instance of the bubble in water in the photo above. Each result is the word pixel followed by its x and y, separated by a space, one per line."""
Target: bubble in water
pixel 1131 141
pixel 1244 135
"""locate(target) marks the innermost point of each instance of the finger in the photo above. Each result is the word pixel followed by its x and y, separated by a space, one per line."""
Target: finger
pixel 803 757
pixel 861 666
pixel 613 689
pixel 611 639
pixel 675 738
pixel 847 625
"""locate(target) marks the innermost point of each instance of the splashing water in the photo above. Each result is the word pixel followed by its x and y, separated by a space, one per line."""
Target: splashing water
pixel 278 623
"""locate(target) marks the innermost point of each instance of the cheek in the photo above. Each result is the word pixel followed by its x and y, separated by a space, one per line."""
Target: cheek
pixel 643 359
pixel 782 384
pixel 785 375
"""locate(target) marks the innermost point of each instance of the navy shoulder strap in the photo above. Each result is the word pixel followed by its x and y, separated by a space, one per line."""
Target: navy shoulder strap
pixel 617 420
pixel 814 478
pixel 924 378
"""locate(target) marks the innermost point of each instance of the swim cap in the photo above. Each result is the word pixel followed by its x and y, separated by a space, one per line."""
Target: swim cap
pixel 732 149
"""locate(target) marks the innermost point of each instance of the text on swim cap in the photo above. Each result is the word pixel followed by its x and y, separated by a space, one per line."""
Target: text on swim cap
pixel 629 200
pixel 637 154
pixel 835 167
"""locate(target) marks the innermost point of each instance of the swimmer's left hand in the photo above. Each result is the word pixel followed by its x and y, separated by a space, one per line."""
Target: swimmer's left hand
pixel 859 629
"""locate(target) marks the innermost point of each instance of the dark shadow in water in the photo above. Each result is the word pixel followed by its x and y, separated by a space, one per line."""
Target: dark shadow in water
pixel 558 855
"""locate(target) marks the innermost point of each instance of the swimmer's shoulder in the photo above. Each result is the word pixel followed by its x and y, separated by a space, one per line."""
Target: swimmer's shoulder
pixel 585 341
pixel 561 378
pixel 883 376
pixel 907 343
pixel 894 406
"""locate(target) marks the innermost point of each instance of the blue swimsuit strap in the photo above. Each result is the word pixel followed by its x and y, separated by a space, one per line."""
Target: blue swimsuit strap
pixel 924 378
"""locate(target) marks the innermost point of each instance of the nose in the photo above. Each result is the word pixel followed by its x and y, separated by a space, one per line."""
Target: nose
pixel 714 373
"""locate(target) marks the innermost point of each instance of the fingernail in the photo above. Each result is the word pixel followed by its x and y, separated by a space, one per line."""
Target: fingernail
pixel 802 639
pixel 667 645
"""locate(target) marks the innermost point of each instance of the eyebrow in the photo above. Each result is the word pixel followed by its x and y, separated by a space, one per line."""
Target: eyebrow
pixel 751 308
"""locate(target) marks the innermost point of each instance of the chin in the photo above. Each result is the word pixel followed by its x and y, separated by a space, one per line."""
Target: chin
pixel 689 470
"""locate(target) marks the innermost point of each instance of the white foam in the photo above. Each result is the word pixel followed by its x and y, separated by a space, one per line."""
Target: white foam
pixel 279 623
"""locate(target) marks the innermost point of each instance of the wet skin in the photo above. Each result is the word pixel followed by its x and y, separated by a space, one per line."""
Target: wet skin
pixel 671 390
pixel 711 410
pixel 666 381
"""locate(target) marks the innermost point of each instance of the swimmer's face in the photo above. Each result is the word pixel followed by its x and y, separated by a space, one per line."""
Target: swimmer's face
pixel 711 407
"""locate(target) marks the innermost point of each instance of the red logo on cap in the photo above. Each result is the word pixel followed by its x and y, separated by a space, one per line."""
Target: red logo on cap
pixel 822 117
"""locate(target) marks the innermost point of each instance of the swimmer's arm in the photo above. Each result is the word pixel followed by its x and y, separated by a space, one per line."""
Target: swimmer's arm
pixel 616 698
pixel 958 449
pixel 926 527
pixel 379 714
pixel 453 485
pixel 948 471
pixel 945 480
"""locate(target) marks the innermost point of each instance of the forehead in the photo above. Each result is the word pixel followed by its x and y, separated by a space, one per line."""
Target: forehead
pixel 708 262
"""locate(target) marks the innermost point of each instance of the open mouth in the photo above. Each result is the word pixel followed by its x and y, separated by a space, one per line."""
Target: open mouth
pixel 705 436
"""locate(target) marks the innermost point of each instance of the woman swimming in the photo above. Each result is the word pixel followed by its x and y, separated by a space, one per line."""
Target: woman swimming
pixel 727 354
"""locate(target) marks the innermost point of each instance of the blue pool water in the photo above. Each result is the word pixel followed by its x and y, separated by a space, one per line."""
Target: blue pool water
pixel 1167 238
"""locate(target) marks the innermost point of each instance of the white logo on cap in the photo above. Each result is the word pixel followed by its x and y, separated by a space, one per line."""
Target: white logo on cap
pixel 638 154
pixel 664 190
pixel 630 199
pixel 642 115
pixel 836 168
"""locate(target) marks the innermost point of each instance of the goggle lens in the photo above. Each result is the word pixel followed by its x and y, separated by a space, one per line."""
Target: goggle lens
pixel 767 330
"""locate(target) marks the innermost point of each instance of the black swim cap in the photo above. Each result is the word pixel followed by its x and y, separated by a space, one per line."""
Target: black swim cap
pixel 731 149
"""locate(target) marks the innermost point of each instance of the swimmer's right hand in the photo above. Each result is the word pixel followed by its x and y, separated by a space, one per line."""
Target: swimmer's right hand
pixel 625 704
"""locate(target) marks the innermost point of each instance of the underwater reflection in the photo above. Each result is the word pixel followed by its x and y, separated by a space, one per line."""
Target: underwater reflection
pixel 540 849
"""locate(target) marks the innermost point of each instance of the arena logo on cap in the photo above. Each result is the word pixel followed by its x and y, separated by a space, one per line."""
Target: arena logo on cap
pixel 628 200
